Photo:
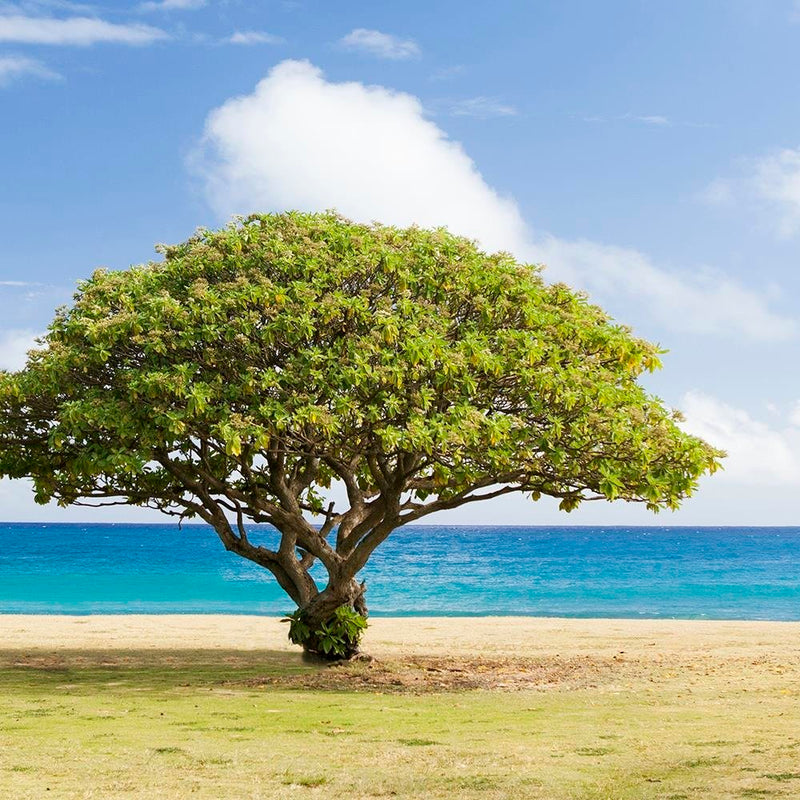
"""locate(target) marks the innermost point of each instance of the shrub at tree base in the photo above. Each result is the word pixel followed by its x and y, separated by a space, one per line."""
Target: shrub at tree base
pixel 239 378
pixel 337 637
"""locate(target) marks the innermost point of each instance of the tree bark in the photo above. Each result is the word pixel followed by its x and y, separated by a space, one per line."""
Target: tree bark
pixel 321 609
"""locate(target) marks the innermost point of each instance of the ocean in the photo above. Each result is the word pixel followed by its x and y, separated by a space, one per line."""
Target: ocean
pixel 652 572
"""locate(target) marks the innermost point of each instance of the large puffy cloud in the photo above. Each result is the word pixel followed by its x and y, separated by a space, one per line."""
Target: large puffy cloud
pixel 758 454
pixel 300 141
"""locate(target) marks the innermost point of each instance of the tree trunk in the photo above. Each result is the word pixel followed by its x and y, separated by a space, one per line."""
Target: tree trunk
pixel 321 610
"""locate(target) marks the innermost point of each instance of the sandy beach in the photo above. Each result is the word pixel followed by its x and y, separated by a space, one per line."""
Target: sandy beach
pixel 414 636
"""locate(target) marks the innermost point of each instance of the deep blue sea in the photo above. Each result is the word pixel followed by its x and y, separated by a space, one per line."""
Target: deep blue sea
pixel 709 573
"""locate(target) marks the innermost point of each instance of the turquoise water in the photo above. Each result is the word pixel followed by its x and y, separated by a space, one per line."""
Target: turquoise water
pixel 713 573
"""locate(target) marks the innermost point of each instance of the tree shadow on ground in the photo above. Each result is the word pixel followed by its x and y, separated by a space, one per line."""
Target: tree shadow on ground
pixel 275 669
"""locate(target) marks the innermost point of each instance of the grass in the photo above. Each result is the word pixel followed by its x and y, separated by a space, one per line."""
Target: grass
pixel 212 724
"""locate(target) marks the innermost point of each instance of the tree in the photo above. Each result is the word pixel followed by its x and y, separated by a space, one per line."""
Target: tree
pixel 239 378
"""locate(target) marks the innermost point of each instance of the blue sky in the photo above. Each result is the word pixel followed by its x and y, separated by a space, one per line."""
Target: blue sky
pixel 649 153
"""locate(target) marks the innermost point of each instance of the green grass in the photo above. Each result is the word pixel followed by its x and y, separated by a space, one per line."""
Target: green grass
pixel 210 725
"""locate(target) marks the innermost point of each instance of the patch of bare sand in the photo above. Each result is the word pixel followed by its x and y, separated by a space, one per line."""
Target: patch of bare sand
pixel 420 674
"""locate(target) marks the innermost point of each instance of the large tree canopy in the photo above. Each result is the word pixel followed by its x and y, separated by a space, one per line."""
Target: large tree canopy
pixel 254 366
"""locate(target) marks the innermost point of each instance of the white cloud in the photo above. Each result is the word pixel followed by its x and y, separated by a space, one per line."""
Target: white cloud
pixel 448 73
pixel 719 192
pixel 769 185
pixel 377 157
pixel 173 5
pixel 776 180
pixel 254 37
pixel 701 302
pixel 382 45
pixel 794 415
pixel 648 119
pixel 14 346
pixel 38 6
pixel 654 120
pixel 482 108
pixel 80 31
pixel 757 453
pixel 15 67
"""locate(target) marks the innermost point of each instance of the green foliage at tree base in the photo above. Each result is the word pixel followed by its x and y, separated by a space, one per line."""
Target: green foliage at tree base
pixel 337 637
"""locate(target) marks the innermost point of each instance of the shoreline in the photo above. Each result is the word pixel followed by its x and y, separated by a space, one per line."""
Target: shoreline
pixel 401 636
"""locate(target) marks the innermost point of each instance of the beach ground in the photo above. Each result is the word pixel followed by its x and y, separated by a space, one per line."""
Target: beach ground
pixel 223 707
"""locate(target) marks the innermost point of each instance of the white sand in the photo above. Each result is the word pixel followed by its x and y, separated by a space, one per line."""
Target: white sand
pixel 522 636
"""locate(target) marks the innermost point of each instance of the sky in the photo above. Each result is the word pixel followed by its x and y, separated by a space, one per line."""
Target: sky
pixel 646 153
